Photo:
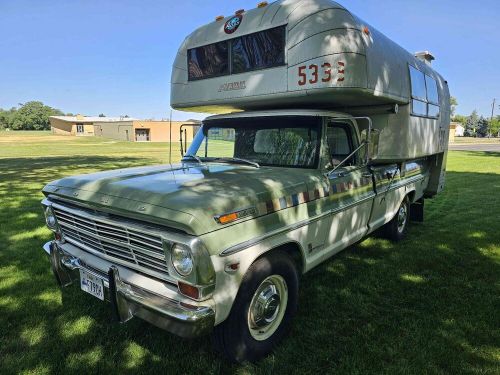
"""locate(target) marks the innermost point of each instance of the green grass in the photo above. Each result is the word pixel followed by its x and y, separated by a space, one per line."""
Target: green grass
pixel 475 140
pixel 430 304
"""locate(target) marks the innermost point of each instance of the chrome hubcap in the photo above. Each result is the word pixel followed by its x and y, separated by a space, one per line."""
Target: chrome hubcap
pixel 267 307
pixel 402 217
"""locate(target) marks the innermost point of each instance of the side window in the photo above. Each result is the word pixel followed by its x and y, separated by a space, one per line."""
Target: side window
pixel 340 143
pixel 219 142
pixel 417 84
pixel 432 97
pixel 432 90
pixel 424 94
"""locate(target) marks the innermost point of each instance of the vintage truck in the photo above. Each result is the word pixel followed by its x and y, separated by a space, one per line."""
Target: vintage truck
pixel 323 131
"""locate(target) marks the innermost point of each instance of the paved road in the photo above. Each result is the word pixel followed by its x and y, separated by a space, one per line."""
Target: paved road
pixel 491 147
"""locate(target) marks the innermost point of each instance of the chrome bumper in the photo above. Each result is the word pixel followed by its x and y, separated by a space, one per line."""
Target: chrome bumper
pixel 129 300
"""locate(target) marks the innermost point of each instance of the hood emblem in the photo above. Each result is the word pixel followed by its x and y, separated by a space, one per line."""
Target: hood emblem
pixel 232 24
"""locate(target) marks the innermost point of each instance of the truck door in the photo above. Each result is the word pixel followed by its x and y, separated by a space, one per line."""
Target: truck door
pixel 351 189
pixel 387 200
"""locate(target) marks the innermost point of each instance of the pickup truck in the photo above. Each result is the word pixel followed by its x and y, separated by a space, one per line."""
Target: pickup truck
pixel 217 243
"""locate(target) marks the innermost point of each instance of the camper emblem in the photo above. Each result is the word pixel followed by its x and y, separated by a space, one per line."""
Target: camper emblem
pixel 232 24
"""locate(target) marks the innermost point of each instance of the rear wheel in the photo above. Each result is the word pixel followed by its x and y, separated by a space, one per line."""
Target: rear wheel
pixel 396 229
pixel 262 311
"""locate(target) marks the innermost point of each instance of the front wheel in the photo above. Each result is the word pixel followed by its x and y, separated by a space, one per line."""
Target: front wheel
pixel 262 311
pixel 396 229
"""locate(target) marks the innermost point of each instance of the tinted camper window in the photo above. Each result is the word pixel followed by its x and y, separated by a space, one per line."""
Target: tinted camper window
pixel 424 94
pixel 260 50
pixel 208 61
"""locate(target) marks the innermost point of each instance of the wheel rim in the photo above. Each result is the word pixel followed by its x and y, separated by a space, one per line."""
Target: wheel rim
pixel 267 307
pixel 402 217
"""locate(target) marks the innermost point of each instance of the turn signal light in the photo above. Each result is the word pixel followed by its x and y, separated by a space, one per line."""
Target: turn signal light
pixel 262 4
pixel 189 290
pixel 224 219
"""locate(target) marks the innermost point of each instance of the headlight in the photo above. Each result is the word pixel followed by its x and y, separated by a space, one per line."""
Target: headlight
pixel 50 218
pixel 182 260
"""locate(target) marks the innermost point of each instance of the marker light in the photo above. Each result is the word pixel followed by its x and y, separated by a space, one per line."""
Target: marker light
pixel 224 219
pixel 262 4
pixel 239 11
pixel 219 18
pixel 189 290
pixel 366 30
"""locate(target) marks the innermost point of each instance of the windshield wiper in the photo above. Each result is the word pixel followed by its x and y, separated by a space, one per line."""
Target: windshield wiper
pixel 195 157
pixel 240 160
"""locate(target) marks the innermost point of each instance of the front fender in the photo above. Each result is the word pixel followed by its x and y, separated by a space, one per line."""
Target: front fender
pixel 228 280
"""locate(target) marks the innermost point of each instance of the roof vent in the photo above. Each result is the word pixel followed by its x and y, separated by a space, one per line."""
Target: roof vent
pixel 425 56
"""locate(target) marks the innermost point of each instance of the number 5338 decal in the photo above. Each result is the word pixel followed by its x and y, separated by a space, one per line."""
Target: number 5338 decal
pixel 314 73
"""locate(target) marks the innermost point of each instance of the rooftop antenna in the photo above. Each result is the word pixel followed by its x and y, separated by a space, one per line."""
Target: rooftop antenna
pixel 170 140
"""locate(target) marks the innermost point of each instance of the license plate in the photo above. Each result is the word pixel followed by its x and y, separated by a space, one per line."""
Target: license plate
pixel 92 284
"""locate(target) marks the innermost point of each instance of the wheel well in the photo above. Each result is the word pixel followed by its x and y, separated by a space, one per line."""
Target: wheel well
pixel 294 250
pixel 411 196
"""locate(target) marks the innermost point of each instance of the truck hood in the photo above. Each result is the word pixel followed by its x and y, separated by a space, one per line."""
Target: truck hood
pixel 185 196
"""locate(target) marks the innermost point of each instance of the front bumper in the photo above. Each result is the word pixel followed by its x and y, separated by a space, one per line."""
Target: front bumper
pixel 129 300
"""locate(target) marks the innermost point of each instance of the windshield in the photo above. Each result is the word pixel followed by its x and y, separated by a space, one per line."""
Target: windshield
pixel 285 141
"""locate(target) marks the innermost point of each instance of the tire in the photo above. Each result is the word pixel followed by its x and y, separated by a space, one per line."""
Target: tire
pixel 396 229
pixel 247 335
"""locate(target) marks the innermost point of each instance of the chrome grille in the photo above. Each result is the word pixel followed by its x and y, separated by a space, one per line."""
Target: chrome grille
pixel 129 246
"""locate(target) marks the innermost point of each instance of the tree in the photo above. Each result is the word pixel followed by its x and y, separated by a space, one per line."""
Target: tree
pixel 482 127
pixel 453 105
pixel 471 124
pixel 33 116
pixel 102 115
pixel 459 118
pixel 495 127
pixel 6 117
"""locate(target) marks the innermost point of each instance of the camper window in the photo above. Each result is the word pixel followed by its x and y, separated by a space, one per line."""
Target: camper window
pixel 260 50
pixel 417 84
pixel 424 94
pixel 208 61
pixel 432 90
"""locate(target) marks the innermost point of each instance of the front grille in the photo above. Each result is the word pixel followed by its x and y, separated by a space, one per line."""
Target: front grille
pixel 128 246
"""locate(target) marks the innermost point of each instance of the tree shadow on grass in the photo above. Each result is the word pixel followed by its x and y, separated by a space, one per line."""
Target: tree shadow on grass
pixel 427 304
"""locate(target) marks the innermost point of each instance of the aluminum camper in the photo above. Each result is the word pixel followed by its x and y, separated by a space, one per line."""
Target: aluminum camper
pixel 316 54
pixel 323 132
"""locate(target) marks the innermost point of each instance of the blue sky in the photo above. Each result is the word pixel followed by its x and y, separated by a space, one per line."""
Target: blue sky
pixel 115 57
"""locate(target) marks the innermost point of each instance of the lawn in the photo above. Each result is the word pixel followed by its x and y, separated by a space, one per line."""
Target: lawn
pixel 430 304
